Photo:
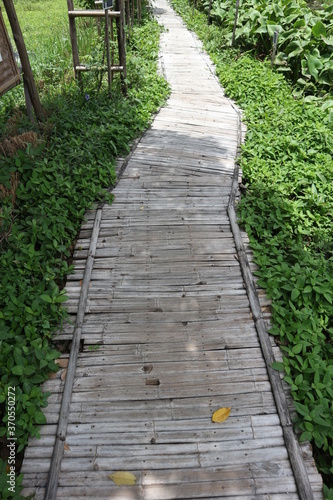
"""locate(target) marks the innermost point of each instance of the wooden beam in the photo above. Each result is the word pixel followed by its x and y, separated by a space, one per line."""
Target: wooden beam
pixel 21 48
pixel 292 445
pixel 209 9
pixel 73 37
pixel 52 484
pixel 139 11
pixel 127 12
pixel 91 13
pixel 98 68
pixel 235 24
pixel 28 102
pixel 108 52
pixel 121 44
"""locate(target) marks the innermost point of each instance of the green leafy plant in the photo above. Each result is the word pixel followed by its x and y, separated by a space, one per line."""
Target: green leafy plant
pixel 305 41
pixel 59 178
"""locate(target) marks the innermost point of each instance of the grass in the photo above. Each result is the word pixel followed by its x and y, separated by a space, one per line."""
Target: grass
pixel 287 212
pixel 38 20
pixel 46 187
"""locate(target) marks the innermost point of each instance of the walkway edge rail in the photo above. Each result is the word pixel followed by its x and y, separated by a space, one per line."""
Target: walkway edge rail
pixel 58 450
pixel 292 444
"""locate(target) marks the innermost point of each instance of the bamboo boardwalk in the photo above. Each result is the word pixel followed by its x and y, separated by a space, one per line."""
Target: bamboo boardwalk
pixel 168 333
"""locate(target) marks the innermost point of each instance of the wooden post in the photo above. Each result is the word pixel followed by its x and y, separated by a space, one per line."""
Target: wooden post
pixel 275 40
pixel 59 446
pixel 73 36
pixel 139 10
pixel 128 12
pixel 132 13
pixel 209 9
pixel 121 43
pixel 21 48
pixel 235 24
pixel 107 44
pixel 112 48
pixel 28 102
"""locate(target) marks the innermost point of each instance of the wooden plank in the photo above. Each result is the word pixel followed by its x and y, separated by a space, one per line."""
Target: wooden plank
pixel 208 381
pixel 98 68
pixel 152 393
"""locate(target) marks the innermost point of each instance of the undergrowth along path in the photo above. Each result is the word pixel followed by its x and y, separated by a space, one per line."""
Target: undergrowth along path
pixel 168 333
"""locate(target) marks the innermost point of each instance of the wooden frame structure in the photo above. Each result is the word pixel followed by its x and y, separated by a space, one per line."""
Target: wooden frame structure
pixel 30 88
pixel 9 72
pixel 109 15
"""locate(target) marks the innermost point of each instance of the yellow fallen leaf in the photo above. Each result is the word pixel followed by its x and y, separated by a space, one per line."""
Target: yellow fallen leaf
pixel 63 374
pixel 221 415
pixel 62 362
pixel 123 478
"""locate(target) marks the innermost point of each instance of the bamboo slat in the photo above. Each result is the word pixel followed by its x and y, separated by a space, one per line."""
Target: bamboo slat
pixel 169 334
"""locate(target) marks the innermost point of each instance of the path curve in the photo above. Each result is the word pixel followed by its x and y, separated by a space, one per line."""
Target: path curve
pixel 169 336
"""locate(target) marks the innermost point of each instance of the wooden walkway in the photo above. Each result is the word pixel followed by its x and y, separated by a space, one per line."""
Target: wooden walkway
pixel 168 332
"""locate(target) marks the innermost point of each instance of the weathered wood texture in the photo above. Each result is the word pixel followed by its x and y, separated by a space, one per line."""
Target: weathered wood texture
pixel 9 72
pixel 169 334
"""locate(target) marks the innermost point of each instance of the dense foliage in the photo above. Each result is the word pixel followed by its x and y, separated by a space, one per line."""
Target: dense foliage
pixel 305 38
pixel 59 178
pixel 287 211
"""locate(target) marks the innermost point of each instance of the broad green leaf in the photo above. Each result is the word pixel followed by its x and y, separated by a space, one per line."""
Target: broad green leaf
pixel 328 41
pixel 294 48
pixel 319 174
pixel 319 420
pixel 301 409
pixel 280 59
pixel 261 29
pixel 319 30
pixel 305 436
pixel 330 118
pixel 277 365
pixel 302 82
pixel 299 23
pixel 254 14
pixel 61 298
pixel 29 369
pixel 40 418
pixel 46 298
pixel 308 426
pixel 289 18
pixel 273 27
pixel 328 297
pixel 17 370
pixel 314 64
pixel 297 348
pixel 295 293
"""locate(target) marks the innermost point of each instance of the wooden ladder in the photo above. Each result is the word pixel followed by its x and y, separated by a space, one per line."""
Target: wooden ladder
pixel 108 15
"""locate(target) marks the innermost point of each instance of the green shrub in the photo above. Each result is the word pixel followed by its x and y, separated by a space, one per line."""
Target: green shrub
pixel 305 37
